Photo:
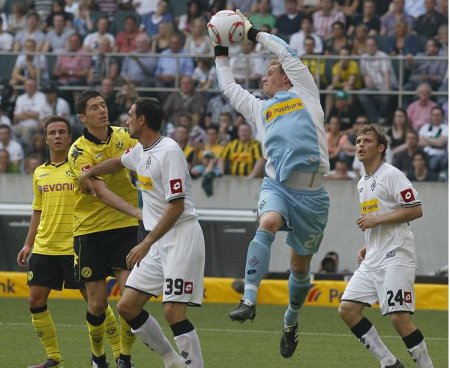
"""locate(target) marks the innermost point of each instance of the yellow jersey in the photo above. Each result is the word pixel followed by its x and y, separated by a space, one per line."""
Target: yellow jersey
pixel 90 214
pixel 54 197
pixel 240 157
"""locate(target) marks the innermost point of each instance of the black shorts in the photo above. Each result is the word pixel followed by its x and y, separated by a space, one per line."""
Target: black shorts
pixel 142 233
pixel 98 254
pixel 53 272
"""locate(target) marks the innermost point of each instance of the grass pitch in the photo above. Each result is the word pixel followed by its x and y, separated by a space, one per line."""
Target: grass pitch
pixel 325 341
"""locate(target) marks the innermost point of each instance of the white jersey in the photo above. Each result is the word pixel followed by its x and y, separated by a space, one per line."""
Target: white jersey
pixel 163 176
pixel 385 191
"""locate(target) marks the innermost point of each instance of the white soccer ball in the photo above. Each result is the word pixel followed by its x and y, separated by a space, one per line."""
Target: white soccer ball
pixel 226 28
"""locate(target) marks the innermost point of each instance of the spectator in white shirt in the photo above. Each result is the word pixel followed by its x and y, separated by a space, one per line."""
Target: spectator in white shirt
pixel 14 149
pixel 297 39
pixel 6 40
pixel 92 40
pixel 27 111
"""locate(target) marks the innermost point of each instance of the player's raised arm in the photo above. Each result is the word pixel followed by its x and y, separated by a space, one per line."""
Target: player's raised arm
pixel 297 72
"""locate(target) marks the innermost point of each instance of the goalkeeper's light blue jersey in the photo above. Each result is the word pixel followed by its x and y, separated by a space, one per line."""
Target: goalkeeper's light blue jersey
pixel 291 123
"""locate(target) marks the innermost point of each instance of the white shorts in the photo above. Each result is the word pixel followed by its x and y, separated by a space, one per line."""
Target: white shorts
pixel 393 287
pixel 174 265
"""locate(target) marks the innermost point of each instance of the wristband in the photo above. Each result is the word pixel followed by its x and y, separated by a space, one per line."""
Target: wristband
pixel 252 33
pixel 220 51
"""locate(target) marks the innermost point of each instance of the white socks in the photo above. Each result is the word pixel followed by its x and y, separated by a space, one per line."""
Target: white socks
pixel 374 344
pixel 420 355
pixel 151 334
pixel 189 347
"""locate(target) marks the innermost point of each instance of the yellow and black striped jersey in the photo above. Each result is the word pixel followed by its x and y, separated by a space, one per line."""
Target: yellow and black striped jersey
pixel 240 157
pixel 54 197
pixel 92 215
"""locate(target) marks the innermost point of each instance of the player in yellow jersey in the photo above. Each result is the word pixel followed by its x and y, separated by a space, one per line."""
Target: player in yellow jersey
pixel 103 236
pixel 50 241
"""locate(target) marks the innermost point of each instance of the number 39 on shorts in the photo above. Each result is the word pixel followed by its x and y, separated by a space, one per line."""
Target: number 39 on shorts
pixel 178 287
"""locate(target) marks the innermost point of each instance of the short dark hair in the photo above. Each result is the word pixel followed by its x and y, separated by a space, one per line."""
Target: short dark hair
pixel 7 127
pixel 422 154
pixel 378 132
pixel 57 119
pixel 150 108
pixel 85 96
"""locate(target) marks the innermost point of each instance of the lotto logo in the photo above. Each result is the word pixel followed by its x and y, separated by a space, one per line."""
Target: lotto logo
pixel 407 297
pixel 407 195
pixel 253 261
pixel 188 287
pixel 175 186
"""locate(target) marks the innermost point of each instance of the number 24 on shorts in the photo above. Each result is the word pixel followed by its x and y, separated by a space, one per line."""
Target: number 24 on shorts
pixel 178 287
pixel 400 297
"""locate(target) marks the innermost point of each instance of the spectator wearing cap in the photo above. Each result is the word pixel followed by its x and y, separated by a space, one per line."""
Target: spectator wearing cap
pixel 15 150
pixel 31 32
pixel 54 105
pixel 27 111
pixel 346 77
pixel 297 39
pixel 29 66
pixel 6 39
pixel 344 110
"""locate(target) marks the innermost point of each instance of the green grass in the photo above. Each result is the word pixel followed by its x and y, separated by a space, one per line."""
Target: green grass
pixel 324 339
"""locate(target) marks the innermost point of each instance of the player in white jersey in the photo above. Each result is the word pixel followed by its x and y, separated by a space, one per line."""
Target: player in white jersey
pixel 170 259
pixel 388 202
pixel 291 127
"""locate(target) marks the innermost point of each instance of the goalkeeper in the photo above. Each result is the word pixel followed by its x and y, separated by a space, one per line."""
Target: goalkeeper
pixel 290 125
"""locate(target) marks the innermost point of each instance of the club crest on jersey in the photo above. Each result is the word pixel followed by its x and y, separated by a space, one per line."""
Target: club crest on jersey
pixel 283 108
pixel 407 195
pixel 373 185
pixel 119 145
pixel 176 186
pixel 148 162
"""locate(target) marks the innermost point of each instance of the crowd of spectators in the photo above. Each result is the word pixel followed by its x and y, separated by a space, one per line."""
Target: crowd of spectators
pixel 126 49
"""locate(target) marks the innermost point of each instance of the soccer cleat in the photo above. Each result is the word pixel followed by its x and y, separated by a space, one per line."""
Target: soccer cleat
pixel 122 363
pixel 100 363
pixel 243 312
pixel 289 341
pixel 49 363
pixel 397 364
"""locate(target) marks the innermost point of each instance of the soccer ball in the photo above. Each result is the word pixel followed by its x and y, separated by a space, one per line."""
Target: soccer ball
pixel 226 28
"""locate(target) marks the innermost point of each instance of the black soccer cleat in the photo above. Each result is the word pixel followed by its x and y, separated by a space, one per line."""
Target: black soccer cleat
pixel 289 341
pixel 49 363
pixel 243 312
pixel 124 363
pixel 397 364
